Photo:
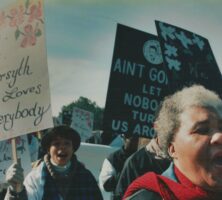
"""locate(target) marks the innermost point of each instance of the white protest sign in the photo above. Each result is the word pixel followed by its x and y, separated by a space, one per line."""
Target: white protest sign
pixel 24 84
pixel 82 122
pixel 6 155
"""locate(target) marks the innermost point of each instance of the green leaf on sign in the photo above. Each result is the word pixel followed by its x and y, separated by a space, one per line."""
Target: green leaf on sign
pixel 17 33
pixel 27 4
pixel 38 33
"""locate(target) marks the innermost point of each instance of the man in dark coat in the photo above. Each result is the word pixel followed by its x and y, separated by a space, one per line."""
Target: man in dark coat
pixel 148 158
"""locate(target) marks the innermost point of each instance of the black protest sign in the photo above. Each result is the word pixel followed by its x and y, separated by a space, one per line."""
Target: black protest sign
pixel 188 58
pixel 136 85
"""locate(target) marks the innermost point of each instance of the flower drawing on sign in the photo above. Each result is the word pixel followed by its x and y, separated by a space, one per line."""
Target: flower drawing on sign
pixel 185 41
pixel 170 50
pixel 29 36
pixel 173 64
pixel 167 32
pixel 26 19
pixel 16 16
pixel 35 13
pixel 198 41
pixel 188 52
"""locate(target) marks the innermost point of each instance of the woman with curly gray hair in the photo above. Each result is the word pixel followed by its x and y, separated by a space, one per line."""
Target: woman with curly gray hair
pixel 189 129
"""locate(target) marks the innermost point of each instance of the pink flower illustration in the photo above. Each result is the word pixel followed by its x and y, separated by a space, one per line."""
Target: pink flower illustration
pixel 29 36
pixel 2 18
pixel 35 12
pixel 16 16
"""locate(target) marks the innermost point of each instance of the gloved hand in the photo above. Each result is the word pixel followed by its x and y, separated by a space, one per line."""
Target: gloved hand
pixel 15 177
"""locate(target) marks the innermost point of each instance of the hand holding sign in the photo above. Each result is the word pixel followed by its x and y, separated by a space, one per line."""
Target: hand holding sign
pixel 24 97
pixel 15 177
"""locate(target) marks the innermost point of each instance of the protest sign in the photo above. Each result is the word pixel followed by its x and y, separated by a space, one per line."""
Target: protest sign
pixel 82 122
pixel 188 58
pixel 24 89
pixel 6 155
pixel 137 83
pixel 66 117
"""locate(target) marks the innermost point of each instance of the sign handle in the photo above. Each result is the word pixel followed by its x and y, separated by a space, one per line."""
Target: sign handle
pixel 39 135
pixel 16 160
pixel 14 152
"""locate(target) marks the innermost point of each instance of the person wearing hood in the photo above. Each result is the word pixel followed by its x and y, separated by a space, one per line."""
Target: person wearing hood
pixel 58 175
pixel 147 159
pixel 113 164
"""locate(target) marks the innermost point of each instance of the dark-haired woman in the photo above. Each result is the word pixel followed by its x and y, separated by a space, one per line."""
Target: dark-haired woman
pixel 58 176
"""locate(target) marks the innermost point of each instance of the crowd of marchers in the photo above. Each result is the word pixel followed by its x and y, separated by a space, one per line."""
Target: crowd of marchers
pixel 182 162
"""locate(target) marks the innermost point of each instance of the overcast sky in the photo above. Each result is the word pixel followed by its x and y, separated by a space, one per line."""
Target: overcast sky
pixel 80 38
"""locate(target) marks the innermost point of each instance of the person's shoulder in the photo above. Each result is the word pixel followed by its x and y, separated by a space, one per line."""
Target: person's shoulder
pixel 144 194
pixel 36 163
pixel 36 175
pixel 84 173
pixel 135 161
pixel 139 153
pixel 37 167
pixel 137 156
